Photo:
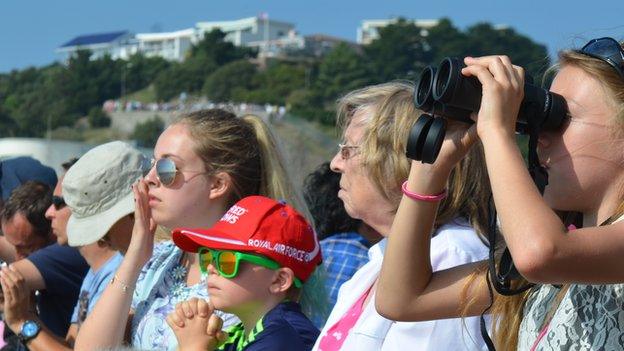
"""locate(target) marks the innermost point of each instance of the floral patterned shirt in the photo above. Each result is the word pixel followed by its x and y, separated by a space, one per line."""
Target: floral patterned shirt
pixel 161 285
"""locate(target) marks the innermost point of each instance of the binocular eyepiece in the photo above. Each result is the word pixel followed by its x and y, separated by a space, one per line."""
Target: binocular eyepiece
pixel 445 93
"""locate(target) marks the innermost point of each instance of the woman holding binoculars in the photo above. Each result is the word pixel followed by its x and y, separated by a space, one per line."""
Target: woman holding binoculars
pixel 578 302
pixel 372 166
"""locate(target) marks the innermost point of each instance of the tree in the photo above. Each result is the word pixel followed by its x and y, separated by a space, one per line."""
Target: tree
pixel 340 71
pixel 139 71
pixel 8 128
pixel 146 134
pixel 98 118
pixel 445 40
pixel 176 79
pixel 219 85
pixel 484 39
pixel 400 52
pixel 276 82
pixel 215 49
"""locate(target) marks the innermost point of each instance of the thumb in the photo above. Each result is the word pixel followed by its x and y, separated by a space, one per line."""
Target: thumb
pixel 470 137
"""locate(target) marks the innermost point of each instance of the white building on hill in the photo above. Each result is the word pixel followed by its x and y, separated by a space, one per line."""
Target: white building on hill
pixel 171 46
pixel 259 32
pixel 369 30
pixel 120 44
pixel 243 31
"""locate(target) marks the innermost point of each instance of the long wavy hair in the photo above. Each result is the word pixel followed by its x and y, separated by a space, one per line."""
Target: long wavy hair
pixel 383 153
pixel 507 311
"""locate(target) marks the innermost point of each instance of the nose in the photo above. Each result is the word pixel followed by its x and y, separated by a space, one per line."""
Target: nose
pixel 337 163
pixel 49 213
pixel 151 177
pixel 211 269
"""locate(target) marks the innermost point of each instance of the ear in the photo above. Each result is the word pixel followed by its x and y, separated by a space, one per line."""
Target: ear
pixel 104 241
pixel 221 183
pixel 283 279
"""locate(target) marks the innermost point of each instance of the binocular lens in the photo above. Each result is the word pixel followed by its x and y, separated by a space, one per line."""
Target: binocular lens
pixel 445 92
pixel 442 79
pixel 424 94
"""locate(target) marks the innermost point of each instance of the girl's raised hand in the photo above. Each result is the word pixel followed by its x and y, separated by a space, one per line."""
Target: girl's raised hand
pixel 142 242
pixel 503 91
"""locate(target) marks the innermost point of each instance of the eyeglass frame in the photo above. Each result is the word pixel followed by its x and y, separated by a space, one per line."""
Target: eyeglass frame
pixel 154 163
pixel 343 150
pixel 255 259
pixel 619 67
pixel 58 202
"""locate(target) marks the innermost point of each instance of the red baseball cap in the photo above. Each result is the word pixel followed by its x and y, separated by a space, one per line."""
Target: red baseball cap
pixel 260 225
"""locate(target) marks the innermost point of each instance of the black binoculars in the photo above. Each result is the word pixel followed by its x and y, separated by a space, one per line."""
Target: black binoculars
pixel 445 93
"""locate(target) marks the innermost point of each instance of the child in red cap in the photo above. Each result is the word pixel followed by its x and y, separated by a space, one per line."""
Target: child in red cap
pixel 256 257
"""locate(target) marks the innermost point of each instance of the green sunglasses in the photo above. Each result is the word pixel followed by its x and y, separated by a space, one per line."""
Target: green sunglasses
pixel 227 262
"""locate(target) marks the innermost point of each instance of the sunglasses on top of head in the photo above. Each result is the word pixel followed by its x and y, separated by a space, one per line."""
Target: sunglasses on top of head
pixel 608 50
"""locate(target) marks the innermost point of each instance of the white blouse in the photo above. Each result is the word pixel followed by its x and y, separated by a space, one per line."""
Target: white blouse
pixel 454 244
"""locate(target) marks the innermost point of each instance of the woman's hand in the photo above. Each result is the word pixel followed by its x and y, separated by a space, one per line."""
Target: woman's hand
pixel 432 178
pixel 196 326
pixel 503 91
pixel 142 242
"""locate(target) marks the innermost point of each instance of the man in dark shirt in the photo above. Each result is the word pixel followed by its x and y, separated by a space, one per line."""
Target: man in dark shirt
pixel 55 271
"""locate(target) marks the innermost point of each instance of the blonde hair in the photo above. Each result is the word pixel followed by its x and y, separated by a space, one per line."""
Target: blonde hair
pixel 392 115
pixel 509 309
pixel 247 151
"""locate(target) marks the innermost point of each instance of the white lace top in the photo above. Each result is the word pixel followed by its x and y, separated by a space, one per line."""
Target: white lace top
pixel 590 317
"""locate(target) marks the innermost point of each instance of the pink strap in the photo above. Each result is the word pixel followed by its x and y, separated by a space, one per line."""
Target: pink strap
pixel 419 197
pixel 337 334
pixel 540 336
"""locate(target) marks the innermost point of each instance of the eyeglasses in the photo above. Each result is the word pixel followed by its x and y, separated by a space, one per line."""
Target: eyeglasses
pixel 347 151
pixel 166 170
pixel 608 50
pixel 58 202
pixel 227 262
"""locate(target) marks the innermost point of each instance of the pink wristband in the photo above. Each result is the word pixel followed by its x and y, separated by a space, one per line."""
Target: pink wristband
pixel 429 198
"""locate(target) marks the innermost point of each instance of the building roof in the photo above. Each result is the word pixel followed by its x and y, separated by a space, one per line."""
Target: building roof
pixel 90 39
pixel 184 33
pixel 239 24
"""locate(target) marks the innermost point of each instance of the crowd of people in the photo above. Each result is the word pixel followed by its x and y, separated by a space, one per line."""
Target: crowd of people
pixel 211 246
pixel 273 112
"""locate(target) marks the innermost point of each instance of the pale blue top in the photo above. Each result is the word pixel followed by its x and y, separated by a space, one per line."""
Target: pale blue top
pixel 161 285
pixel 93 286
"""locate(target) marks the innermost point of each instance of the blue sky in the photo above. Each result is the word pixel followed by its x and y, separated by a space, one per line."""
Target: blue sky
pixel 31 30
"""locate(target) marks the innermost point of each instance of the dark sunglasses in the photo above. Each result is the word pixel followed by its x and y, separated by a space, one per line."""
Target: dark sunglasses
pixel 58 202
pixel 608 50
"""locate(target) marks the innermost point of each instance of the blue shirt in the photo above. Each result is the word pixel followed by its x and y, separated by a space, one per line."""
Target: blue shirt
pixel 93 286
pixel 62 269
pixel 160 286
pixel 283 328
pixel 343 255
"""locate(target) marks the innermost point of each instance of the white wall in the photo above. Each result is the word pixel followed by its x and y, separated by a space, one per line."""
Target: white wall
pixel 49 152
